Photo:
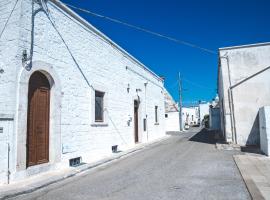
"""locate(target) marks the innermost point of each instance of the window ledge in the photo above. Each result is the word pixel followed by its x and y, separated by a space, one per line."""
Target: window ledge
pixel 156 123
pixel 99 124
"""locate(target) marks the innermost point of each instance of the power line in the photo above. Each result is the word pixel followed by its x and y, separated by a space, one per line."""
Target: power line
pixel 143 29
pixel 198 85
pixel 8 19
pixel 79 68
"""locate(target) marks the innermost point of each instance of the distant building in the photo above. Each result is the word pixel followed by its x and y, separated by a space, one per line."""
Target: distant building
pixel 243 87
pixel 172 122
pixel 190 115
pixel 203 110
pixel 214 115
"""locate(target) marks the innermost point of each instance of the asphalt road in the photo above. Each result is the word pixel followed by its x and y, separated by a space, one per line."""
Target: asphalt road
pixel 185 166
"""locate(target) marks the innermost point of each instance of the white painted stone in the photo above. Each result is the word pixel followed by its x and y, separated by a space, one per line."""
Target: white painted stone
pixel 77 59
pixel 240 106
pixel 172 121
pixel 203 110
pixel 190 115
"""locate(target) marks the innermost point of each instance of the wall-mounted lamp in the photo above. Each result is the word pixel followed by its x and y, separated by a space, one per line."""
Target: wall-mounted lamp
pixel 138 90
pixel 24 56
pixel 128 88
pixel 26 61
pixel 129 120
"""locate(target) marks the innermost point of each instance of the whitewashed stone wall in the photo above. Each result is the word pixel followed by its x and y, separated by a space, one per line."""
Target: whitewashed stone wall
pixel 190 115
pixel 172 121
pixel 203 110
pixel 240 106
pixel 77 59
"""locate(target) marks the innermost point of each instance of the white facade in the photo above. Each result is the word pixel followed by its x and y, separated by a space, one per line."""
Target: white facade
pixel 172 121
pixel 171 113
pixel 77 59
pixel 244 87
pixel 203 110
pixel 190 115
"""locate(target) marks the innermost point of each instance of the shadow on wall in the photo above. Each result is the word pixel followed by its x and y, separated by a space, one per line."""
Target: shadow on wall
pixel 254 135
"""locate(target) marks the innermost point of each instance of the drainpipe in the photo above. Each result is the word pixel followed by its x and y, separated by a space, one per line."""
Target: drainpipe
pixel 8 167
pixel 231 103
pixel 145 109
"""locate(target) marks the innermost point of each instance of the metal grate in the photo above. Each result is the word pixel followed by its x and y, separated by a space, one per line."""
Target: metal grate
pixel 74 162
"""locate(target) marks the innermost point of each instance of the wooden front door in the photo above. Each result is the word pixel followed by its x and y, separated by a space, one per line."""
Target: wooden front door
pixel 38 120
pixel 136 127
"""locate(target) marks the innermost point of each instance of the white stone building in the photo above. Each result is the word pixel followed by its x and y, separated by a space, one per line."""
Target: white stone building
pixel 244 87
pixel 67 91
pixel 171 113
pixel 203 110
pixel 190 115
pixel 214 115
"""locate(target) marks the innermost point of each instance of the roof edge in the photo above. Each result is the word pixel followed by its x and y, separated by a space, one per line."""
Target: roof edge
pixel 245 46
pixel 99 33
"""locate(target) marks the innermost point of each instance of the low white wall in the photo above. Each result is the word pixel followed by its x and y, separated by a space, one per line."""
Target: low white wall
pixel 264 118
pixel 172 121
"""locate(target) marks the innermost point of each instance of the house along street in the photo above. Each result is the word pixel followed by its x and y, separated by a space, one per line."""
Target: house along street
pixel 184 166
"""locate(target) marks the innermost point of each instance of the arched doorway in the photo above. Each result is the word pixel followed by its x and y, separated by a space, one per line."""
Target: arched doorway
pixel 38 119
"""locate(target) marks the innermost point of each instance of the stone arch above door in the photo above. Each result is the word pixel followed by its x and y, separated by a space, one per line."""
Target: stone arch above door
pixel 54 118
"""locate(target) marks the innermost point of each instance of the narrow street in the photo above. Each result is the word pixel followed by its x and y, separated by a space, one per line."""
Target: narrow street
pixel 185 166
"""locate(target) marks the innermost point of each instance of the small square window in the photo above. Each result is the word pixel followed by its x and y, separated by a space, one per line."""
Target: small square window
pixel 99 106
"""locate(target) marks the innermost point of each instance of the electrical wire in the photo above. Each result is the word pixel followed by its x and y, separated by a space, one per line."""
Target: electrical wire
pixel 143 29
pixel 197 85
pixel 85 78
pixel 8 19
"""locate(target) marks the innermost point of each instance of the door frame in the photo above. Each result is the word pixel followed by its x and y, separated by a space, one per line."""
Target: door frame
pixel 32 122
pixel 20 132
pixel 136 106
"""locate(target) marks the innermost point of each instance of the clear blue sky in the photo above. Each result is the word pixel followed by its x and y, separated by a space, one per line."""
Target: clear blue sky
pixel 210 24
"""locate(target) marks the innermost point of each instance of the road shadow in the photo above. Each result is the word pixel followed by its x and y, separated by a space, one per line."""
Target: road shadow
pixel 206 136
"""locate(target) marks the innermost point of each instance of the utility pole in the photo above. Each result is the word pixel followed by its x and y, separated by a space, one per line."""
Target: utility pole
pixel 180 101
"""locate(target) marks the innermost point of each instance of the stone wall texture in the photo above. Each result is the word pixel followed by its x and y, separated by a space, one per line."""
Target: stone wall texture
pixel 77 59
pixel 245 69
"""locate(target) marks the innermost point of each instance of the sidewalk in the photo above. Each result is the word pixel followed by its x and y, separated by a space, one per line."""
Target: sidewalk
pixel 255 170
pixel 36 182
